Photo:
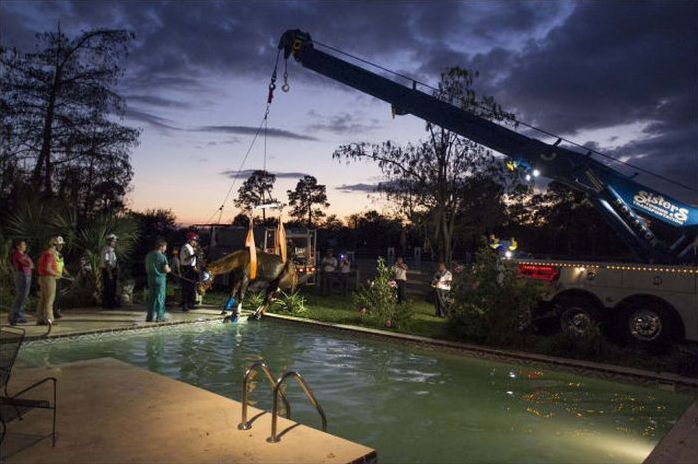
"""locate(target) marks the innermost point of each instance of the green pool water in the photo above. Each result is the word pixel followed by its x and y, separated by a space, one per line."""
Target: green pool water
pixel 410 404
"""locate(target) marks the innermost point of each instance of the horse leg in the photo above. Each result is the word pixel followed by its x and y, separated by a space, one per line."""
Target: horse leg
pixel 244 283
pixel 268 296
pixel 234 288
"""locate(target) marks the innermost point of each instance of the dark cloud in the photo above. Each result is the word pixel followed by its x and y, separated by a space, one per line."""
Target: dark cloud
pixel 248 130
pixel 177 43
pixel 564 66
pixel 245 173
pixel 158 101
pixel 232 141
pixel 369 188
pixel 344 123
pixel 150 119
pixel 611 64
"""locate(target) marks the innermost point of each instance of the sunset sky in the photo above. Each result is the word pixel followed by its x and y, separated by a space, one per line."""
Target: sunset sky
pixel 620 76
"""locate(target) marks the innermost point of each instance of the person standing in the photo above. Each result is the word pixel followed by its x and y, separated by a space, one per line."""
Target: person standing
pixel 400 271
pixel 62 274
pixel 329 266
pixel 442 285
pixel 48 271
pixel 108 264
pixel 22 266
pixel 157 268
pixel 188 262
pixel 176 268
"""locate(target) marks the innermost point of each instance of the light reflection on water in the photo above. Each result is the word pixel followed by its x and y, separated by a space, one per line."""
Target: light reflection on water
pixel 411 405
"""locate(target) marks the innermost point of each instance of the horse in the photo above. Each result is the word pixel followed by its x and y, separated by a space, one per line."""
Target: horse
pixel 270 269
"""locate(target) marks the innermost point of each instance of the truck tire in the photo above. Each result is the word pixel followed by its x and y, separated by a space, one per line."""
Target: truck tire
pixel 577 316
pixel 648 323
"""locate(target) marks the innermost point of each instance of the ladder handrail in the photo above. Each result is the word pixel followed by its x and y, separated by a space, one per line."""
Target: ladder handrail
pixel 308 393
pixel 244 424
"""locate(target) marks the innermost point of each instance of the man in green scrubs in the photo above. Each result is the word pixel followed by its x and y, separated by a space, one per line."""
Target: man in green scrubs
pixel 157 268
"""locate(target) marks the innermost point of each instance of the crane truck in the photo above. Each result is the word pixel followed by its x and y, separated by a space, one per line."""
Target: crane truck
pixel 650 301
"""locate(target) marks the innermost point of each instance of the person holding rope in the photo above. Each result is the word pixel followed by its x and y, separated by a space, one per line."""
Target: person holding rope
pixel 189 276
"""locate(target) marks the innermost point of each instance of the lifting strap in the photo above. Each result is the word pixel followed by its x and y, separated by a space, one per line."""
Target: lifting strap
pixel 249 243
pixel 280 246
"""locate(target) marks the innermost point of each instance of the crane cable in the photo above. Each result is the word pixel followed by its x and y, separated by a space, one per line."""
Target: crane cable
pixel 530 126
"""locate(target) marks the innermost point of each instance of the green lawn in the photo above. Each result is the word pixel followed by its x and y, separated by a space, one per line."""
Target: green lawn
pixel 340 310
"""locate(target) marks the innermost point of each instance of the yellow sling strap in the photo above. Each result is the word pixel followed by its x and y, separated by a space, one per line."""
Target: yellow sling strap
pixel 249 243
pixel 280 248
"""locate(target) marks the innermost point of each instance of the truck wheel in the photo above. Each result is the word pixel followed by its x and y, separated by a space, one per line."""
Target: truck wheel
pixel 577 318
pixel 648 324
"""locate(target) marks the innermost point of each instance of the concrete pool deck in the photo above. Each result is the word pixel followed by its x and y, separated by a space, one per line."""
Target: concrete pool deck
pixel 85 321
pixel 112 412
pixel 680 444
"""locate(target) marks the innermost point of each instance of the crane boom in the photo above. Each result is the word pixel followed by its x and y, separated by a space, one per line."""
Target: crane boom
pixel 616 196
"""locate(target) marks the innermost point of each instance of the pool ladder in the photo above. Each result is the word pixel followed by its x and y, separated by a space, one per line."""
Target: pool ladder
pixel 276 391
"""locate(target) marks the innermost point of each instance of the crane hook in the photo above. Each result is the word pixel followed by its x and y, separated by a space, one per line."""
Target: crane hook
pixel 285 87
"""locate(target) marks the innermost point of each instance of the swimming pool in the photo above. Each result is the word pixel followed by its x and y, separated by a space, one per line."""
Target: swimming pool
pixel 410 404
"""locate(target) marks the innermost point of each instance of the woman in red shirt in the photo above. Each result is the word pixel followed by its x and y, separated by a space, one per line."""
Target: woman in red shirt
pixel 22 266
pixel 48 271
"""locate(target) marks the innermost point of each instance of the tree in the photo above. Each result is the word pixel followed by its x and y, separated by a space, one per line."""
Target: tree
pixel 375 231
pixel 304 198
pixel 153 224
pixel 58 105
pixel 430 178
pixel 333 222
pixel 241 220
pixel 562 222
pixel 256 191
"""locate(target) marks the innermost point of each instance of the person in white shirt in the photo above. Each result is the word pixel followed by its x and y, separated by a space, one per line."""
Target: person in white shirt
pixel 442 285
pixel 109 266
pixel 400 271
pixel 187 263
pixel 329 266
pixel 345 267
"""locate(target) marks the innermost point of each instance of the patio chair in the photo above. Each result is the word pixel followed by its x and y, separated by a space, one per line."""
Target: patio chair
pixel 12 406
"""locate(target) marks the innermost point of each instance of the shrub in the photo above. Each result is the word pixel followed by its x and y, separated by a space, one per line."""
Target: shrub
pixel 289 303
pixel 253 300
pixel 492 304
pixel 380 300
pixel 588 345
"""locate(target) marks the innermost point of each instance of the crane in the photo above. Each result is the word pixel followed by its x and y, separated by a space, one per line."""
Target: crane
pixel 623 202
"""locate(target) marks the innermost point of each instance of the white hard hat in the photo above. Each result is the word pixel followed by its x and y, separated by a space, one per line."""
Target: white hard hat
pixel 111 237
pixel 57 240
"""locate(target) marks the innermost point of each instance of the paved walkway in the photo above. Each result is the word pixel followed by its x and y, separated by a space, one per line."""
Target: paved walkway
pixel 112 412
pixel 93 320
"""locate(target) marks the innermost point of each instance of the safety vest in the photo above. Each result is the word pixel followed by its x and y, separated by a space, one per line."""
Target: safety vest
pixel 60 263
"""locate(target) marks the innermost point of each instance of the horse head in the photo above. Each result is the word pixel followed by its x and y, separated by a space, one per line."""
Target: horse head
pixel 205 283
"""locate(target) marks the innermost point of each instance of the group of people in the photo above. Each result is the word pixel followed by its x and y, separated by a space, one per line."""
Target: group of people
pixel 329 266
pixel 185 266
pixel 52 272
pixel 441 282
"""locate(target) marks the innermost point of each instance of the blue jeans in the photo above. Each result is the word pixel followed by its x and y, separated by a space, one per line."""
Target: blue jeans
pixel 22 285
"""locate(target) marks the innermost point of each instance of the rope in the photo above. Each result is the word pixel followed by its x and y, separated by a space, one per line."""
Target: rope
pixel 530 126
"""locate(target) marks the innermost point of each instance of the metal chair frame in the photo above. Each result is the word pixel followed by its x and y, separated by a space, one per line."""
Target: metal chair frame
pixel 13 337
